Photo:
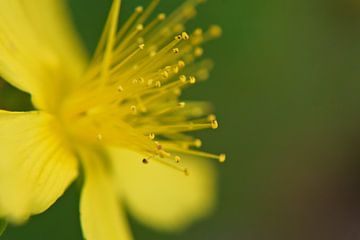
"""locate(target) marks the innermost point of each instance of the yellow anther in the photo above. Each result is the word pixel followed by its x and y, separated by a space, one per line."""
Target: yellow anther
pixel 120 88
pixel 192 80
pixel 152 136
pixel 222 158
pixel 211 117
pixel 141 80
pixel 198 32
pixel 198 143
pixel 198 52
pixel 181 63
pixel 139 27
pixel 175 69
pixel 141 46
pixel 161 16
pixel 177 159
pixel 139 9
pixel 165 74
pixel 182 78
pixel 133 109
pixel 181 104
pixel 158 84
pixel 150 82
pixel 145 161
pixel 215 31
pixel 178 37
pixel 214 124
pixel 176 50
pixel 185 36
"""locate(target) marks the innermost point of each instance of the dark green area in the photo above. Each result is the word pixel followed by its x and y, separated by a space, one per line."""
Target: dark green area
pixel 286 92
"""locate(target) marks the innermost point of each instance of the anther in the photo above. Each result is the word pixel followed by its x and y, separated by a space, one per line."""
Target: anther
pixel 214 124
pixel 145 161
pixel 222 158
pixel 182 78
pixel 175 69
pixel 139 27
pixel 139 9
pixel 198 32
pixel 192 80
pixel 198 52
pixel 158 84
pixel 177 159
pixel 211 117
pixel 161 16
pixel 178 37
pixel 181 104
pixel 120 88
pixel 150 82
pixel 133 109
pixel 141 46
pixel 176 50
pixel 215 31
pixel 185 36
pixel 152 136
pixel 197 143
pixel 181 63
pixel 165 74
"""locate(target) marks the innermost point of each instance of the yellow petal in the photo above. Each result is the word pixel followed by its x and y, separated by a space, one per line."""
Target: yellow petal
pixel 36 165
pixel 101 215
pixel 161 197
pixel 39 50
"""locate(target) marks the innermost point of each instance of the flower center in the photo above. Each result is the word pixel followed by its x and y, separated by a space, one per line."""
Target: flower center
pixel 129 96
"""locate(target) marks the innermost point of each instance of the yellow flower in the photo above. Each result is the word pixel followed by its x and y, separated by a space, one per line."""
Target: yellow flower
pixel 116 117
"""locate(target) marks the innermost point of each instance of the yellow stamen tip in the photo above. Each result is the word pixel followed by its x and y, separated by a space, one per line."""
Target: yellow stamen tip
pixel 198 52
pixel 142 46
pixel 198 143
pixel 222 158
pixel 185 36
pixel 120 88
pixel 215 31
pixel 139 27
pixel 192 80
pixel 181 104
pixel 145 161
pixel 161 16
pixel 176 50
pixel 182 78
pixel 139 9
pixel 177 159
pixel 152 136
pixel 214 124
pixel 181 63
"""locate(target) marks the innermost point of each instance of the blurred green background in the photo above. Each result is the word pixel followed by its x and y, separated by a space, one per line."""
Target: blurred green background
pixel 286 91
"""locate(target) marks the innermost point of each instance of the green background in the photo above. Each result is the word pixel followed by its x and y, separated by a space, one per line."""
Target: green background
pixel 286 92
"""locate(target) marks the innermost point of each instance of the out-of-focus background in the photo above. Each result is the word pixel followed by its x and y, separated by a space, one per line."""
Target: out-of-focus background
pixel 287 94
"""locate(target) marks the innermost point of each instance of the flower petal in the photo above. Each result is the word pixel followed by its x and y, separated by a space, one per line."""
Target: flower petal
pixel 35 165
pixel 161 197
pixel 39 50
pixel 101 215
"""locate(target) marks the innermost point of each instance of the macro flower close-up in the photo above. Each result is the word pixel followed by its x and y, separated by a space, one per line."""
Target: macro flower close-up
pixel 114 122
